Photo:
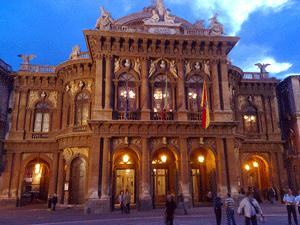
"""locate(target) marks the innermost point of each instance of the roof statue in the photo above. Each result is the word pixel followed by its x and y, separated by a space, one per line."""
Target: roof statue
pixel 216 28
pixel 75 52
pixel 26 58
pixel 262 67
pixel 104 21
pixel 199 24
pixel 161 16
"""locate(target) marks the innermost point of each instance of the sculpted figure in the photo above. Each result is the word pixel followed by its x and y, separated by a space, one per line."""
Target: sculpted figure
pixel 127 63
pixel 75 52
pixel 168 18
pixel 26 58
pixel 152 68
pixel 199 24
pixel 160 6
pixel 262 67
pixel 197 66
pixel 188 68
pixel 117 65
pixel 162 64
pixel 173 68
pixel 216 28
pixel 137 66
pixel 104 21
pixel 206 68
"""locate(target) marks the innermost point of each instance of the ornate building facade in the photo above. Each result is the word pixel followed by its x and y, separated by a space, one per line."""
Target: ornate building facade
pixel 127 115
pixel 288 92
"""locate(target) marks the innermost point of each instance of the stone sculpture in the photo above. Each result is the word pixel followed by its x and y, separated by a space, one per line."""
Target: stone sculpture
pixel 104 21
pixel 216 28
pixel 26 58
pixel 75 52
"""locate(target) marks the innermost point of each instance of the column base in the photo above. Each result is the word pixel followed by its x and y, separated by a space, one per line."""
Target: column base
pixel 106 114
pixel 182 115
pixel 97 206
pixel 145 114
pixel 145 203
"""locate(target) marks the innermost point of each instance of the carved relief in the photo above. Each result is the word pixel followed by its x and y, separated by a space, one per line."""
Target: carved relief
pixel 137 142
pixel 33 97
pixel 53 96
pixel 117 65
pixel 69 153
pixel 137 66
pixel 116 142
pixel 188 67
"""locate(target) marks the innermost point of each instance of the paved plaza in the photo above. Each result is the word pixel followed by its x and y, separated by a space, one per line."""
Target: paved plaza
pixel 275 215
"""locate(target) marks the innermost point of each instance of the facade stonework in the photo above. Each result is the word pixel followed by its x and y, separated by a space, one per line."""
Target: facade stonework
pixel 127 115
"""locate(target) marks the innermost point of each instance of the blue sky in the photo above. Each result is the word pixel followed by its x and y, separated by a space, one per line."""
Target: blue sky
pixel 269 29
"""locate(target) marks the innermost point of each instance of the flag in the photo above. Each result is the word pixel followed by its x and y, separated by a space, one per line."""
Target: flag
pixel 205 108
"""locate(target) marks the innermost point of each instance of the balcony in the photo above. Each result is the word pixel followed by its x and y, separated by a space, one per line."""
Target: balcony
pixel 37 68
pixel 194 116
pixel 40 135
pixel 121 115
pixel 162 116
pixel 81 128
pixel 255 76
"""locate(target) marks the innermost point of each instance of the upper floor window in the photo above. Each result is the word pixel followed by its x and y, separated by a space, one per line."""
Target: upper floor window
pixel 41 118
pixel 162 99
pixel 82 108
pixel 127 93
pixel 250 119
pixel 194 90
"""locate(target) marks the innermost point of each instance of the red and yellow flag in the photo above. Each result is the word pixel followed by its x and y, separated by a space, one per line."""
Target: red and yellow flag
pixel 205 108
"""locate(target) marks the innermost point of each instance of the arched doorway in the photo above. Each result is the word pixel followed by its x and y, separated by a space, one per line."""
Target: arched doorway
pixel 256 173
pixel 77 181
pixel 203 175
pixel 164 176
pixel 125 176
pixel 36 182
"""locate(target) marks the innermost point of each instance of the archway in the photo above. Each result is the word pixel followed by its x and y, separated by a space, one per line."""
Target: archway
pixel 77 181
pixel 36 182
pixel 164 176
pixel 203 176
pixel 125 175
pixel 256 173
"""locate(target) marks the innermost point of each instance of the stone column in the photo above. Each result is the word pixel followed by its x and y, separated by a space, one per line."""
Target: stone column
pixel 215 90
pixel 221 167
pixel 181 98
pixel 6 177
pixel 145 101
pixel 15 175
pixel 227 112
pixel 14 119
pixel 184 171
pixel 53 178
pixel 108 89
pixel 145 197
pixel 96 115
pixel 60 182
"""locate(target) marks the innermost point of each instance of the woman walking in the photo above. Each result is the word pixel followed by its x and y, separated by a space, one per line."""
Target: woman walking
pixel 170 210
pixel 121 201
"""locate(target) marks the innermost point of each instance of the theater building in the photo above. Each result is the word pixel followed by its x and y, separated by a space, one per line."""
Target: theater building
pixel 127 114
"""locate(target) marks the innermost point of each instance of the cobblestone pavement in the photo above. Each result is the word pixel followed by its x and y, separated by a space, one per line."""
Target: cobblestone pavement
pixel 275 215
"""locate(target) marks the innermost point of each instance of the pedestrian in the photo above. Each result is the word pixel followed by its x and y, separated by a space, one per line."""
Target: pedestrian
pixel 49 202
pixel 182 203
pixel 289 200
pixel 272 195
pixel 297 199
pixel 256 195
pixel 229 206
pixel 249 208
pixel 218 209
pixel 170 210
pixel 209 196
pixel 54 201
pixel 121 201
pixel 127 201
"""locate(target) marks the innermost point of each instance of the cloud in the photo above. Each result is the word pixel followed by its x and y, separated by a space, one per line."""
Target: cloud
pixel 275 66
pixel 233 13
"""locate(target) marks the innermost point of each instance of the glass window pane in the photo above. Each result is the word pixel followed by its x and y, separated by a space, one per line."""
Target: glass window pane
pixel 85 113
pixel 46 122
pixel 38 122
pixel 78 115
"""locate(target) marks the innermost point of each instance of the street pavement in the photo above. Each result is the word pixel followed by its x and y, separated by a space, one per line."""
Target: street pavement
pixel 33 215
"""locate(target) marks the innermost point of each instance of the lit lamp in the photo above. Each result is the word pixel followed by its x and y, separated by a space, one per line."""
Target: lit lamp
pixel 125 158
pixel 163 158
pixel 247 167
pixel 255 164
pixel 201 159
pixel 37 168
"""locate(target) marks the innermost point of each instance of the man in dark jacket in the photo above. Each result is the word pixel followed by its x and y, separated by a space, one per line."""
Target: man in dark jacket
pixel 54 201
pixel 218 209
pixel 170 209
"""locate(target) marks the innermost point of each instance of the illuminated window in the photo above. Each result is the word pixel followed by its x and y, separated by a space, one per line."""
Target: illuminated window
pixel 250 120
pixel 127 93
pixel 162 94
pixel 41 118
pixel 82 108
pixel 194 93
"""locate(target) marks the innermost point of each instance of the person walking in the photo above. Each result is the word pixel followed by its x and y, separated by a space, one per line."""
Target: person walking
pixel 182 203
pixel 289 200
pixel 229 206
pixel 272 195
pixel 121 201
pixel 170 210
pixel 297 200
pixel 50 202
pixel 218 209
pixel 249 208
pixel 54 201
pixel 127 201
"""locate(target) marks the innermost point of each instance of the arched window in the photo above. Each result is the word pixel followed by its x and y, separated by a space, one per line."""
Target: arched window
pixel 127 93
pixel 250 119
pixel 82 108
pixel 41 118
pixel 195 86
pixel 162 99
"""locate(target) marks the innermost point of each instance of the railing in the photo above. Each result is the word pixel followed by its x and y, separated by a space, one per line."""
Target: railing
pixel 255 76
pixel 5 66
pixel 196 32
pixel 81 128
pixel 84 55
pixel 122 115
pixel 37 68
pixel 40 135
pixel 162 116
pixel 194 116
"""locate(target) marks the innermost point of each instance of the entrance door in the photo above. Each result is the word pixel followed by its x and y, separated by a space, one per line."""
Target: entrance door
pixel 198 189
pixel 160 182
pixel 124 180
pixel 78 178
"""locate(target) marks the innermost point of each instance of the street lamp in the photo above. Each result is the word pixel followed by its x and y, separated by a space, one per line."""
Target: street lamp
pixel 163 158
pixel 37 168
pixel 125 158
pixel 255 164
pixel 247 167
pixel 201 159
